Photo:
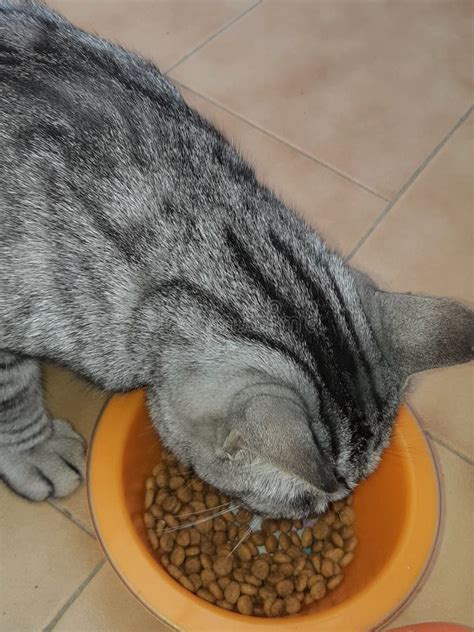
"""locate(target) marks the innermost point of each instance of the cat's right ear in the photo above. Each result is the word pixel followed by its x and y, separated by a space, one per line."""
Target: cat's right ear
pixel 418 332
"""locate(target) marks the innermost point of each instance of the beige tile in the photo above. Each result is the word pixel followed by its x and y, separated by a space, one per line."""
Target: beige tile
pixel 337 208
pixel 425 245
pixel 44 558
pixel 443 400
pixel 106 605
pixel 69 397
pixel 367 87
pixel 447 594
pixel 162 30
pixel 76 506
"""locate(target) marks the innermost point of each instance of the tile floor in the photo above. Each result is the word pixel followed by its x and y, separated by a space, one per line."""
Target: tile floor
pixel 357 113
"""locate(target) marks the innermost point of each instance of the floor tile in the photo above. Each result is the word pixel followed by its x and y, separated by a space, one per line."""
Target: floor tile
pixel 425 244
pixel 447 594
pixel 163 30
pixel 337 208
pixel 69 397
pixel 44 558
pixel 106 605
pixel 367 87
pixel 443 400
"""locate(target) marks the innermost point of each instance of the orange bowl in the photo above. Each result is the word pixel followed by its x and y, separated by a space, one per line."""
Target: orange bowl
pixel 397 523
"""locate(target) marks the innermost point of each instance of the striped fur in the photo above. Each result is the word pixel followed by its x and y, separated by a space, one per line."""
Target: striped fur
pixel 138 248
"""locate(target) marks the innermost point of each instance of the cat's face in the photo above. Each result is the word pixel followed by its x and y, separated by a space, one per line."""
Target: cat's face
pixel 272 464
pixel 270 490
pixel 283 449
pixel 276 457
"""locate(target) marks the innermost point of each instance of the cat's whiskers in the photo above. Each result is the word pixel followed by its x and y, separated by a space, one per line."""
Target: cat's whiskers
pixel 244 537
pixel 146 432
pixel 200 511
pixel 192 524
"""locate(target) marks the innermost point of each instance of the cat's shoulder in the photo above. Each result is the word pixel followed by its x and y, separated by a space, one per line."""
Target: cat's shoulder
pixel 36 42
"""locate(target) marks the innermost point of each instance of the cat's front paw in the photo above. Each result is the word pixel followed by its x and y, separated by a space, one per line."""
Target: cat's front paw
pixel 53 468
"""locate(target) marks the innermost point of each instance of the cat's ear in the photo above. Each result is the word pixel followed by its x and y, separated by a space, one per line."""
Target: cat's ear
pixel 271 424
pixel 418 332
pixel 233 444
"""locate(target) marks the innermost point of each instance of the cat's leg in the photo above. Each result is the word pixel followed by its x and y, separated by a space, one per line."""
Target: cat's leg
pixel 39 456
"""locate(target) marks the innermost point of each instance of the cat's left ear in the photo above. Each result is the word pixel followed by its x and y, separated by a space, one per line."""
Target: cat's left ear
pixel 418 332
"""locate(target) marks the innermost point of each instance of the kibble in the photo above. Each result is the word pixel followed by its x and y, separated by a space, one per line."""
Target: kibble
pixel 292 604
pixel 327 568
pixel 167 542
pixel 216 590
pixel 177 556
pixel 223 565
pixel 335 555
pixel 271 543
pixel 205 594
pixel 285 587
pixel 334 582
pixel 248 589
pixel 277 608
pixel 318 590
pixel 174 571
pixel 306 538
pixel 192 565
pixel 149 498
pixel 191 551
pixel 207 576
pixel 187 583
pixel 245 605
pixel 281 558
pixel 196 579
pixel 347 559
pixel 277 570
pixel 232 592
pixel 223 582
pixel 244 553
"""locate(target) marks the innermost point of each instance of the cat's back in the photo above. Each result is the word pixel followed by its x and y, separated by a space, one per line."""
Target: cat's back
pixel 76 96
pixel 41 51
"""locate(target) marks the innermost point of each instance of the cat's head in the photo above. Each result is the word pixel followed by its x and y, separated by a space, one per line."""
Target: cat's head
pixel 285 442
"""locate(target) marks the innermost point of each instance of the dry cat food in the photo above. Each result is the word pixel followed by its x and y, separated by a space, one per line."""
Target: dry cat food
pixel 273 568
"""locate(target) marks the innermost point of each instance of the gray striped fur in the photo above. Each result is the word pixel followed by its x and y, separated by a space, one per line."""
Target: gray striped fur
pixel 138 248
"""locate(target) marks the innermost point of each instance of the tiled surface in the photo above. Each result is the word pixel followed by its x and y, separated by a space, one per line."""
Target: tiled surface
pixel 341 211
pixel 425 244
pixel 162 30
pixel 44 558
pixel 70 398
pixel 447 595
pixel 106 605
pixel 367 89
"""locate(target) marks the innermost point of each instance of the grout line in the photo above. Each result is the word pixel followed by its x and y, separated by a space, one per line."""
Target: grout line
pixel 462 456
pixel 284 142
pixel 212 37
pixel 67 514
pixel 431 436
pixel 54 621
pixel 421 167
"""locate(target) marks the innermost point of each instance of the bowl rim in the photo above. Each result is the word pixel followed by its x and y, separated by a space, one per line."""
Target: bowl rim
pixel 134 561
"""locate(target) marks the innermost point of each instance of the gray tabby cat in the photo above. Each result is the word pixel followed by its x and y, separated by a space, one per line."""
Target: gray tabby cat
pixel 138 249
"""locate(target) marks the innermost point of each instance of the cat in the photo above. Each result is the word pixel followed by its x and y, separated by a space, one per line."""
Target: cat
pixel 138 249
